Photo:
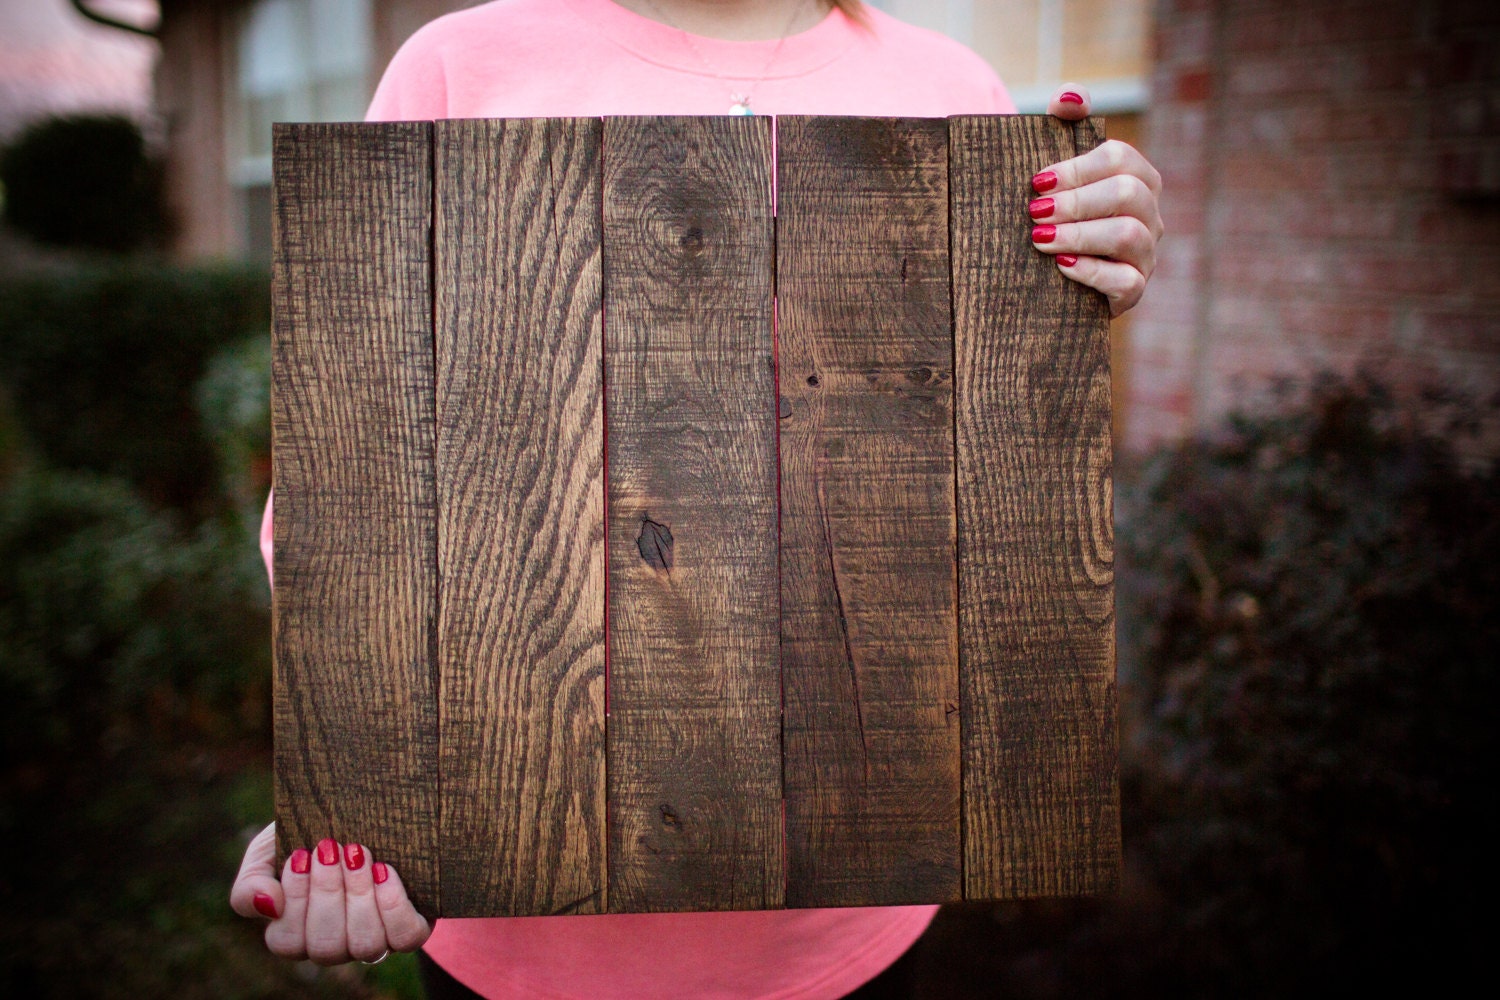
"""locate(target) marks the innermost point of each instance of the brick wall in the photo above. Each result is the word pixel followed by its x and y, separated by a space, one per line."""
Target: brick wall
pixel 1332 201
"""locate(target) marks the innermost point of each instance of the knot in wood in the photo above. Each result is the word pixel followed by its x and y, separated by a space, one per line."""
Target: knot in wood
pixel 669 819
pixel 655 544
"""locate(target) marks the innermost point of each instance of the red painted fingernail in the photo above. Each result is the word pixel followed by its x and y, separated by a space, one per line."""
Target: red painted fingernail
pixel 1044 181
pixel 1039 234
pixel 1068 97
pixel 1066 259
pixel 301 861
pixel 354 857
pixel 265 905
pixel 1041 208
pixel 328 852
pixel 380 872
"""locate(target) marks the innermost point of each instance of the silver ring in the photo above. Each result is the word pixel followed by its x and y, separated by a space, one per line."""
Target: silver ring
pixel 383 956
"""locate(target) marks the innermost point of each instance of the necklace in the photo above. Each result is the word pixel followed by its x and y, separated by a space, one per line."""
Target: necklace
pixel 739 99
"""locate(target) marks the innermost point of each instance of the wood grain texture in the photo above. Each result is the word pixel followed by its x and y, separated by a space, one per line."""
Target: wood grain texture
pixel 520 466
pixel 693 761
pixel 356 755
pixel 868 628
pixel 1036 542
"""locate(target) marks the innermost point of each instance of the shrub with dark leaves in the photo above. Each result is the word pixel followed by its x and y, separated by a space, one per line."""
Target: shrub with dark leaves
pixel 101 364
pixel 1309 635
pixel 84 181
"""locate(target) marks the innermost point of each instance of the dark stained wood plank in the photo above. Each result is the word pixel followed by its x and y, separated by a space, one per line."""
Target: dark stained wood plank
pixel 520 467
pixel 356 753
pixel 1036 541
pixel 868 628
pixel 694 758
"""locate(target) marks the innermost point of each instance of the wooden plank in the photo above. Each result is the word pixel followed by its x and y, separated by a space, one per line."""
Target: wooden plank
pixel 356 752
pixel 694 758
pixel 1036 541
pixel 868 629
pixel 520 465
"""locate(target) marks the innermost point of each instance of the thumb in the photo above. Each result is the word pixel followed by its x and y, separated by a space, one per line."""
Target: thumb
pixel 257 891
pixel 1070 102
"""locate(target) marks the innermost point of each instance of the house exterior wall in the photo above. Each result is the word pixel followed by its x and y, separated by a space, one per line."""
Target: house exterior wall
pixel 1332 178
pixel 195 79
pixel 190 100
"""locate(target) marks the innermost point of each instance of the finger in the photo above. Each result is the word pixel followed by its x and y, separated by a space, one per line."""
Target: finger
pixel 256 891
pixel 287 937
pixel 405 928
pixel 1070 102
pixel 327 932
pixel 1121 238
pixel 1122 194
pixel 366 932
pixel 1107 159
pixel 1120 283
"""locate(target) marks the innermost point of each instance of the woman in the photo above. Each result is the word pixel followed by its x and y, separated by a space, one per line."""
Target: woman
pixel 1096 214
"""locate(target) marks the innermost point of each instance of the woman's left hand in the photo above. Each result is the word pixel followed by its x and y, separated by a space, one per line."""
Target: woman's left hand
pixel 1098 213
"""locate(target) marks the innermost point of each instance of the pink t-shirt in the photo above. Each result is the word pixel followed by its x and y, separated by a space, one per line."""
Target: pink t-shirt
pixel 575 58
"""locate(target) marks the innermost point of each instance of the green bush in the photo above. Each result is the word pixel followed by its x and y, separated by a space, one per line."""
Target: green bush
pixel 234 401
pixel 110 616
pixel 1308 618
pixel 1307 629
pixel 101 364
pixel 84 181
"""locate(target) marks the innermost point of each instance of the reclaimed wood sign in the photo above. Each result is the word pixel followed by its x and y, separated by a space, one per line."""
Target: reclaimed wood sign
pixel 653 536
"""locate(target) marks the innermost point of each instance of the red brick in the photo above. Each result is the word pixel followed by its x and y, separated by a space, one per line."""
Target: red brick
pixel 1472 331
pixel 1184 38
pixel 1387 274
pixel 1285 74
pixel 1482 276
pixel 1460 225
pixel 1278 128
pixel 1170 298
pixel 1234 308
pixel 1384 66
pixel 1390 171
pixel 1259 31
pixel 1193 86
pixel 1319 24
pixel 1335 321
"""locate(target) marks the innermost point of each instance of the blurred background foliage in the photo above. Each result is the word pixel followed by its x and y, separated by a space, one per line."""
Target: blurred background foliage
pixel 1307 632
pixel 1305 616
pixel 84 181
pixel 134 611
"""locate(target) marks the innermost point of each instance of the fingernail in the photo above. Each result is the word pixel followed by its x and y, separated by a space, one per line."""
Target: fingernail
pixel 1066 259
pixel 1039 234
pixel 1041 208
pixel 328 852
pixel 380 872
pixel 265 905
pixel 1068 97
pixel 301 861
pixel 354 857
pixel 1044 181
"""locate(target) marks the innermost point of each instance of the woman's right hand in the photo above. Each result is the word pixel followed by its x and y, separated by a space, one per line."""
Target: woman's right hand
pixel 331 904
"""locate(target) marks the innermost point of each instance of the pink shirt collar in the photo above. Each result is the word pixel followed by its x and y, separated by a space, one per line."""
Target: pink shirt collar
pixel 663 45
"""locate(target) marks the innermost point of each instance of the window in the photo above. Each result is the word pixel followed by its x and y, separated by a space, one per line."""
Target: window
pixel 295 60
pixel 1036 44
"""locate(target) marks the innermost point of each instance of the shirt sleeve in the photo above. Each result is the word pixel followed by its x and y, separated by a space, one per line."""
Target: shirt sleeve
pixel 266 536
pixel 414 86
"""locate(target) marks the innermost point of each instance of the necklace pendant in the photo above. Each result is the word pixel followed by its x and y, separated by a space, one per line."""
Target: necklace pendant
pixel 741 105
